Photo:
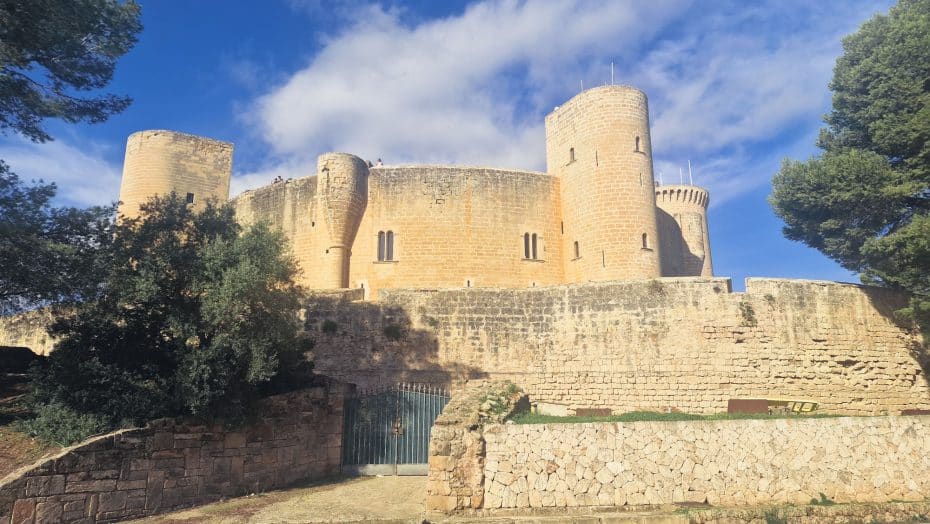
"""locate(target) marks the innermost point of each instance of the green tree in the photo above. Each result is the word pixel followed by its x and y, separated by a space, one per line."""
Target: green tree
pixel 54 51
pixel 47 254
pixel 196 316
pixel 865 201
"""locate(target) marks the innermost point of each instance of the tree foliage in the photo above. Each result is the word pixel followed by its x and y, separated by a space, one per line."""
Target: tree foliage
pixel 865 202
pixel 47 254
pixel 54 51
pixel 195 317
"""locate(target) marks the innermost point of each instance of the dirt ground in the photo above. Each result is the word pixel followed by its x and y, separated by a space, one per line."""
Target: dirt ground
pixel 397 499
pixel 400 500
pixel 16 449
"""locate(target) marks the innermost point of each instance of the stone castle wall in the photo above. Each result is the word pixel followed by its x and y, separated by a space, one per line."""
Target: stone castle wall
pixel 687 344
pixel 736 463
pixel 177 463
pixel 159 162
pixel 452 227
pixel 458 227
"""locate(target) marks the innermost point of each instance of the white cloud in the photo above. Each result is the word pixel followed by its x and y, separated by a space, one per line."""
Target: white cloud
pixel 465 89
pixel 724 80
pixel 83 176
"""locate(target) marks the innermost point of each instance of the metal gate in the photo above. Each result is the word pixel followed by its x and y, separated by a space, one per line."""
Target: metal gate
pixel 387 430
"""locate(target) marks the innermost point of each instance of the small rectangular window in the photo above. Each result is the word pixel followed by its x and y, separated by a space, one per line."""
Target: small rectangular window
pixel 190 198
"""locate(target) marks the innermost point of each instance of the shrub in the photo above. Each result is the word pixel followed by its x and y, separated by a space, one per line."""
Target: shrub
pixel 196 317
pixel 58 424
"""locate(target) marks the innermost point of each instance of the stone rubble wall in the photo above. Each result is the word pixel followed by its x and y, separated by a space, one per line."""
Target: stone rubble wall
pixel 736 462
pixel 178 463
pixel 456 445
pixel 673 343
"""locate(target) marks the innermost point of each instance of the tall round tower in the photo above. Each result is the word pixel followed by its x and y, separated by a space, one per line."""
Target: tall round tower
pixel 682 217
pixel 159 162
pixel 342 189
pixel 598 144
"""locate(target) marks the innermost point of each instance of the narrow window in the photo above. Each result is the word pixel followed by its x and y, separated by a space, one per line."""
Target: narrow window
pixel 562 224
pixel 390 246
pixel 645 241
pixel 381 246
pixel 577 251
pixel 468 283
pixel 637 144
pixel 534 247
pixel 526 245
pixel 571 155
pixel 190 198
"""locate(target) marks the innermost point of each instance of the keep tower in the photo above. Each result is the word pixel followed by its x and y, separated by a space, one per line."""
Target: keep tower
pixel 158 162
pixel 598 144
pixel 343 197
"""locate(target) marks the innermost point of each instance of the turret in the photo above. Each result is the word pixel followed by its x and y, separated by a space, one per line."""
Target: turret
pixel 682 216
pixel 342 189
pixel 598 144
pixel 198 169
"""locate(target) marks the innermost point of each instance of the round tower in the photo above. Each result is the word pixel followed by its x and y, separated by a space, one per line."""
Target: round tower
pixel 196 168
pixel 342 189
pixel 682 217
pixel 598 144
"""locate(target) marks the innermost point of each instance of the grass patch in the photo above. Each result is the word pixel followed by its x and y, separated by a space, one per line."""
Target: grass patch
pixel 654 416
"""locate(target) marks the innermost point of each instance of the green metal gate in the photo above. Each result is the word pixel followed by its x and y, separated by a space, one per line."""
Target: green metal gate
pixel 387 430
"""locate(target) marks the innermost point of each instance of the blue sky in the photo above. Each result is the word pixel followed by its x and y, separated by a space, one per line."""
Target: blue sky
pixel 734 87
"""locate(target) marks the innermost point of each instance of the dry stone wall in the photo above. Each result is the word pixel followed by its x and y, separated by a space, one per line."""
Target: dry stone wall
pixel 742 462
pixel 684 343
pixel 175 463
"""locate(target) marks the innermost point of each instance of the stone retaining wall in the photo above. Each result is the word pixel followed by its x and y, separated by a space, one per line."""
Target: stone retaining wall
pixel 672 343
pixel 177 463
pixel 737 462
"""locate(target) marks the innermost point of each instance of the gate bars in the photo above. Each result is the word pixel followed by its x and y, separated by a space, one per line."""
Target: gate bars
pixel 387 429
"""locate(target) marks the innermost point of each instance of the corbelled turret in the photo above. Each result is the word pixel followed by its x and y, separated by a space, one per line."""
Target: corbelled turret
pixel 343 196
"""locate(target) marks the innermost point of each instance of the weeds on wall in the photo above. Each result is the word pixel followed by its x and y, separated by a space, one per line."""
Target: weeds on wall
pixel 393 332
pixel 748 313
pixel 774 516
pixel 823 501
pixel 329 326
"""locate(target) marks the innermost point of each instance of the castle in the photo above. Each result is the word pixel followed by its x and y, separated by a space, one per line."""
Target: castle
pixel 595 215
pixel 588 285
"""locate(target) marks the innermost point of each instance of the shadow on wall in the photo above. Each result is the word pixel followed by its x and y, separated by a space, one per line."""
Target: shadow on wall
pixel 887 302
pixel 370 343
pixel 676 258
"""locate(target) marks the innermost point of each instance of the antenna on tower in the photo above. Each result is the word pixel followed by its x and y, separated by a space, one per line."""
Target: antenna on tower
pixel 681 179
pixel 611 73
pixel 582 84
pixel 660 178
pixel 690 178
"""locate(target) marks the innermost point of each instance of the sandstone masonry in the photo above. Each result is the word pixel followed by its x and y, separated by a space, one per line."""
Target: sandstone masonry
pixel 687 344
pixel 177 463
pixel 592 216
